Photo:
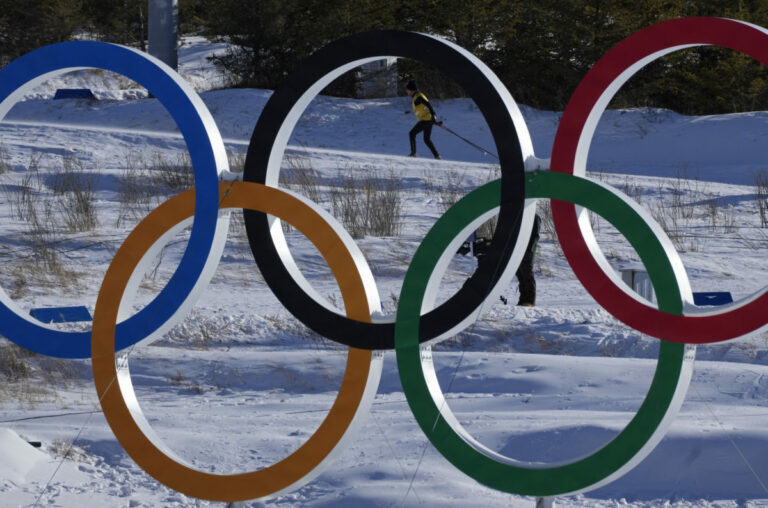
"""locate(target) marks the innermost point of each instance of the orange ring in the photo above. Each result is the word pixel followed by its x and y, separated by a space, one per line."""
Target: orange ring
pixel 354 393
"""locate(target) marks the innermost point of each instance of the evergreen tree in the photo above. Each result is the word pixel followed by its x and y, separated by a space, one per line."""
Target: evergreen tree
pixel 273 36
pixel 540 50
pixel 25 26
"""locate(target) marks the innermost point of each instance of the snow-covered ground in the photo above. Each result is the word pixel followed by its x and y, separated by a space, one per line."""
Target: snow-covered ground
pixel 240 384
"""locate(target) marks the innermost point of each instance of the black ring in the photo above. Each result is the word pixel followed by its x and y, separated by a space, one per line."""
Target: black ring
pixel 473 79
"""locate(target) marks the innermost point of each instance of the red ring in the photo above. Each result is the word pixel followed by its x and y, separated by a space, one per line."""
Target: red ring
pixel 643 45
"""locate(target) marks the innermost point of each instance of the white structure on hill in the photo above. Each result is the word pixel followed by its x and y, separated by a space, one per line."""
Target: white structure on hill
pixel 378 79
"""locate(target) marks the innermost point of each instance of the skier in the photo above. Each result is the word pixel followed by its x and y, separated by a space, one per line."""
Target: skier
pixel 526 281
pixel 426 118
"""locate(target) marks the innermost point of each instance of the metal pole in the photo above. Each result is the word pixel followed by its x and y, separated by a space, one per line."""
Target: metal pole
pixel 163 16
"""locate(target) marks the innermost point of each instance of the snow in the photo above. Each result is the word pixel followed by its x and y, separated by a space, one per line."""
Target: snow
pixel 240 384
pixel 17 459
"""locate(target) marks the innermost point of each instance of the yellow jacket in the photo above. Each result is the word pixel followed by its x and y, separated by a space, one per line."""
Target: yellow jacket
pixel 421 107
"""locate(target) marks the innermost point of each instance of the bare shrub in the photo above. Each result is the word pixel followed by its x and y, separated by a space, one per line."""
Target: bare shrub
pixel 452 190
pixel 368 205
pixel 671 222
pixel 19 285
pixel 13 362
pixel 149 279
pixel 632 189
pixel 677 208
pixel 449 193
pixel 288 325
pixel 761 195
pixel 74 186
pixel 547 225
pixel 69 176
pixel 17 372
pixel 728 221
pixel 21 199
pixel 668 222
pixel 5 162
pixel 236 161
pixel 42 236
pixel 200 331
pixel 384 204
pixel 488 228
pixel 31 378
pixel 57 371
pixel 428 180
pixel 684 193
pixel 134 190
pixel 40 232
pixel 173 174
pixel 64 450
pixel 31 185
pixel 299 175
pixel 347 205
pixel 712 207
pixel 237 224
pixel 720 215
pixel 79 210
pixel 182 382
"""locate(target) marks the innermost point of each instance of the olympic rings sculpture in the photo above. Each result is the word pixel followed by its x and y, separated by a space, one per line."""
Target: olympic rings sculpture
pixel 418 322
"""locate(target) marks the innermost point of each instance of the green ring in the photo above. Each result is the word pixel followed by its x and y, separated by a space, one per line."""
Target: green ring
pixel 670 381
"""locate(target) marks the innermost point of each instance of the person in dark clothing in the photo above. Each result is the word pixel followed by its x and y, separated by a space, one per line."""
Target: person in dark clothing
pixel 426 118
pixel 526 280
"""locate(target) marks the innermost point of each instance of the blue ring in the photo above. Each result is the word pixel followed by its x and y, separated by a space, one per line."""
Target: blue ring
pixel 184 108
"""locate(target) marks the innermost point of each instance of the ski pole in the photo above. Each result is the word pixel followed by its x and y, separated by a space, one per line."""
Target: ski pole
pixel 468 141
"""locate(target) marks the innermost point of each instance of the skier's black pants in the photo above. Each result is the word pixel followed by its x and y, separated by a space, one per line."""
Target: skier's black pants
pixel 426 126
pixel 525 279
pixel 527 282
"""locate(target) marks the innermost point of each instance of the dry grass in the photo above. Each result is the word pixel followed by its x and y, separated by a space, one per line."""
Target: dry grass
pixel 65 450
pixel 450 192
pixel 5 160
pixel 236 161
pixel 761 195
pixel 172 173
pixel 134 190
pixel 299 175
pixel 178 380
pixel 31 378
pixel 75 188
pixel 364 199
pixel 368 203
pixel 286 324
